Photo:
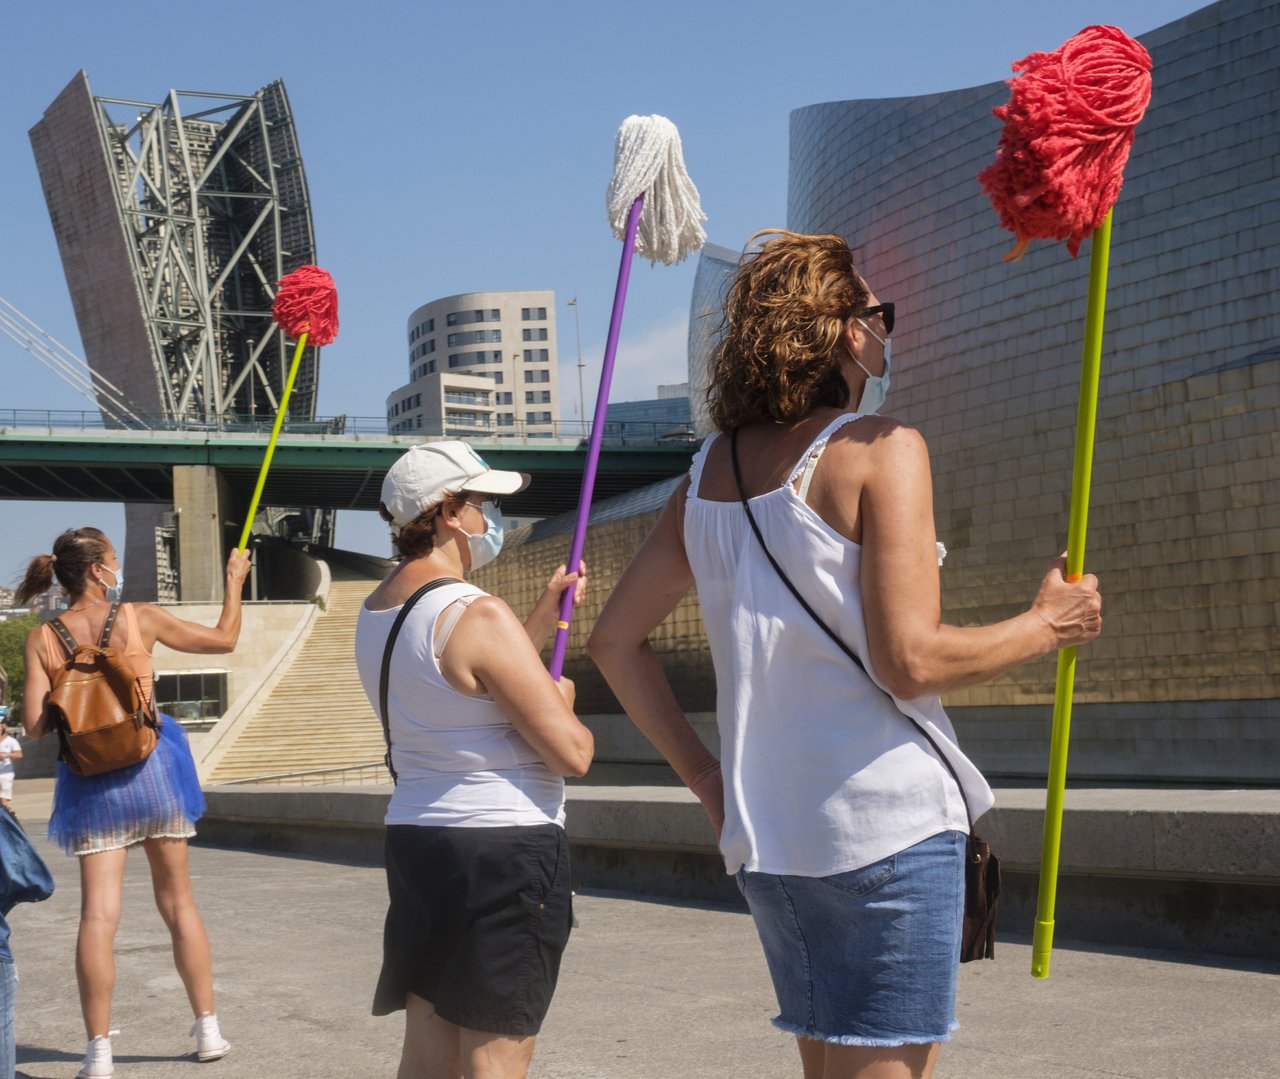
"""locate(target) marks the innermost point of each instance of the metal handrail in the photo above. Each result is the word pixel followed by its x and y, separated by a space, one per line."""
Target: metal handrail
pixel 316 775
pixel 627 432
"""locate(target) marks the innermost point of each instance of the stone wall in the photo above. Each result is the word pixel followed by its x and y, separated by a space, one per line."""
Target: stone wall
pixel 618 528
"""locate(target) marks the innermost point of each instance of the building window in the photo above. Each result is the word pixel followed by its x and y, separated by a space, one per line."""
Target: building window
pixel 536 355
pixel 533 314
pixel 537 397
pixel 537 376
pixel 534 333
pixel 462 318
pixel 467 359
pixel 192 696
pixel 506 419
pixel 503 399
pixel 537 417
pixel 473 337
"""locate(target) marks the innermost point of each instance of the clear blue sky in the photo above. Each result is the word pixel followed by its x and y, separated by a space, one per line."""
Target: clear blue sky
pixel 467 146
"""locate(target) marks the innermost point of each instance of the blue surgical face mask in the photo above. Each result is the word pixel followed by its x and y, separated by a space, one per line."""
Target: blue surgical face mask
pixel 877 386
pixel 114 592
pixel 485 547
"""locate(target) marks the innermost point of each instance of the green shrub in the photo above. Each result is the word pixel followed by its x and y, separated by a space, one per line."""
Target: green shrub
pixel 13 634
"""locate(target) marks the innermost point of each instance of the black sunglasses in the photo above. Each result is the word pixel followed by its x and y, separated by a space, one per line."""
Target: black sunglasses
pixel 885 311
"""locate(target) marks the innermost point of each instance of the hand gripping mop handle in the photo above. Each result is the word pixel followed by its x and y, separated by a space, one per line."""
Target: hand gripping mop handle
pixel 597 434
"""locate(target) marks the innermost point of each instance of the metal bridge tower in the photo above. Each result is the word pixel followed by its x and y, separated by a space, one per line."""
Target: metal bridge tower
pixel 196 206
pixel 175 220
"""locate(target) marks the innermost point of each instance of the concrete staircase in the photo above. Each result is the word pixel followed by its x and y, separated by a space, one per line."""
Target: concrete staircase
pixel 317 716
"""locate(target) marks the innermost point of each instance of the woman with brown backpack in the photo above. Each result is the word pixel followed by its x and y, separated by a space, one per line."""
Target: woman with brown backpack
pixel 154 802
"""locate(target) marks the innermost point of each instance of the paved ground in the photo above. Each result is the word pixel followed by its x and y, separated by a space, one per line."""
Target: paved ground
pixel 649 990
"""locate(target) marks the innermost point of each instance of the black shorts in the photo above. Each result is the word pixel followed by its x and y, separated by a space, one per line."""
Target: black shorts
pixel 478 920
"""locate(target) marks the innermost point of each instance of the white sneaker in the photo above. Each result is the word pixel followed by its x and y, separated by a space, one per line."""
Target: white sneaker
pixel 210 1044
pixel 97 1058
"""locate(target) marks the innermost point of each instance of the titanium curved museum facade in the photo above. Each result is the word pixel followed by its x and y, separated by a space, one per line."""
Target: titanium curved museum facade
pixel 1184 529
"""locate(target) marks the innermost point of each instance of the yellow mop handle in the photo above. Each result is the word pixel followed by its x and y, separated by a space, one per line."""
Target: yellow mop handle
pixel 1042 938
pixel 271 446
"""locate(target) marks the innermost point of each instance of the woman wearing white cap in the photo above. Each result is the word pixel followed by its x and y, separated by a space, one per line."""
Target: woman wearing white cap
pixel 480 738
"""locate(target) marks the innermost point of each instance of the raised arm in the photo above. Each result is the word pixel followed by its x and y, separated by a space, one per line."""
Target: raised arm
pixel 490 652
pixel 657 579
pixel 912 651
pixel 157 624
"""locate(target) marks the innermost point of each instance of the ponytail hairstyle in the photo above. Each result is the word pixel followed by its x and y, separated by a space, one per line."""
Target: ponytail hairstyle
pixel 417 539
pixel 75 552
pixel 779 353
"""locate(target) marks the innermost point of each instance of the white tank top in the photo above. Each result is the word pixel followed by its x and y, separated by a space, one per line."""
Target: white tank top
pixel 822 773
pixel 459 760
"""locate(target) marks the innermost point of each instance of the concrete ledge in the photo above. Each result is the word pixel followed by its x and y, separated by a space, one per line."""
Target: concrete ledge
pixel 1187 869
pixel 1190 834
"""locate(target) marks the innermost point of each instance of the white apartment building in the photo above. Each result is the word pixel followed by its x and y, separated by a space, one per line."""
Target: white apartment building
pixel 481 365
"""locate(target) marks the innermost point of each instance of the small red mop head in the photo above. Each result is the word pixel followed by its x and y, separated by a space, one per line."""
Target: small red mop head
pixel 307 302
pixel 1067 132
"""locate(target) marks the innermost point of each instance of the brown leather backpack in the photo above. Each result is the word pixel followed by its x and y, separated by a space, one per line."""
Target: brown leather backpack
pixel 103 719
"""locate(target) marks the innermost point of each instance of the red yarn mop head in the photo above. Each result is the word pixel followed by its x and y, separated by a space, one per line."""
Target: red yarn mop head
pixel 1067 132
pixel 307 302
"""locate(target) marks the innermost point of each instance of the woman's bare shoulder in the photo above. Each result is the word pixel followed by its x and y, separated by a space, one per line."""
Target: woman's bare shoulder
pixel 490 614
pixel 880 439
pixel 150 614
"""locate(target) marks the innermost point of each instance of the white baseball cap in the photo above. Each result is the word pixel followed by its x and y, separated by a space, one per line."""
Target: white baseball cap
pixel 431 471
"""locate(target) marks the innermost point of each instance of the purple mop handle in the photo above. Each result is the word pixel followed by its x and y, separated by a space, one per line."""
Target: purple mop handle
pixel 597 433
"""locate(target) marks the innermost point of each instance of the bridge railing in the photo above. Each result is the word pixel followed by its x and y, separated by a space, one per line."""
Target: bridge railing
pixel 625 432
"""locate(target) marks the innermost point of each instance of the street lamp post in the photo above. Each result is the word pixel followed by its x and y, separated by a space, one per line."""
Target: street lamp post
pixel 582 400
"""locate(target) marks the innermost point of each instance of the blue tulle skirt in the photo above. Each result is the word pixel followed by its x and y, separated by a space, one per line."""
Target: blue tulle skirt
pixel 154 798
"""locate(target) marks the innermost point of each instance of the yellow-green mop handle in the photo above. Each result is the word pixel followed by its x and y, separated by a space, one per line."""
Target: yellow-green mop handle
pixel 271 446
pixel 1042 938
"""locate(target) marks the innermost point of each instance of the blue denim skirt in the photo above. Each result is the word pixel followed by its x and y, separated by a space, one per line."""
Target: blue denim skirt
pixel 868 957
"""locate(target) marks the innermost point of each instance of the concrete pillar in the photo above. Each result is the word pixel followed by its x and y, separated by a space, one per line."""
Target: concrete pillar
pixel 201 501
pixel 141 519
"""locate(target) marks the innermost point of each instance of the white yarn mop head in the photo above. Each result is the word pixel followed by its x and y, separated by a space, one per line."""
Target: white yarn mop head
pixel 648 160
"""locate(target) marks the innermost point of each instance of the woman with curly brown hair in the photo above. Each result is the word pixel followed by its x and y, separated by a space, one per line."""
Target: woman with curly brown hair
pixel 153 804
pixel 841 798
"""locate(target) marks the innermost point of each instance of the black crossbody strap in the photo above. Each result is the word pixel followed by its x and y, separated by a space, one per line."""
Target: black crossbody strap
pixel 840 642
pixel 386 661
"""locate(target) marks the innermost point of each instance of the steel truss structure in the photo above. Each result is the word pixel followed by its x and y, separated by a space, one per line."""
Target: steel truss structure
pixel 213 202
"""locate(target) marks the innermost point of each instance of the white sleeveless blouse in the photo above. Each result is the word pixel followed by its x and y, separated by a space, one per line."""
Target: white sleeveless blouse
pixel 459 760
pixel 822 773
